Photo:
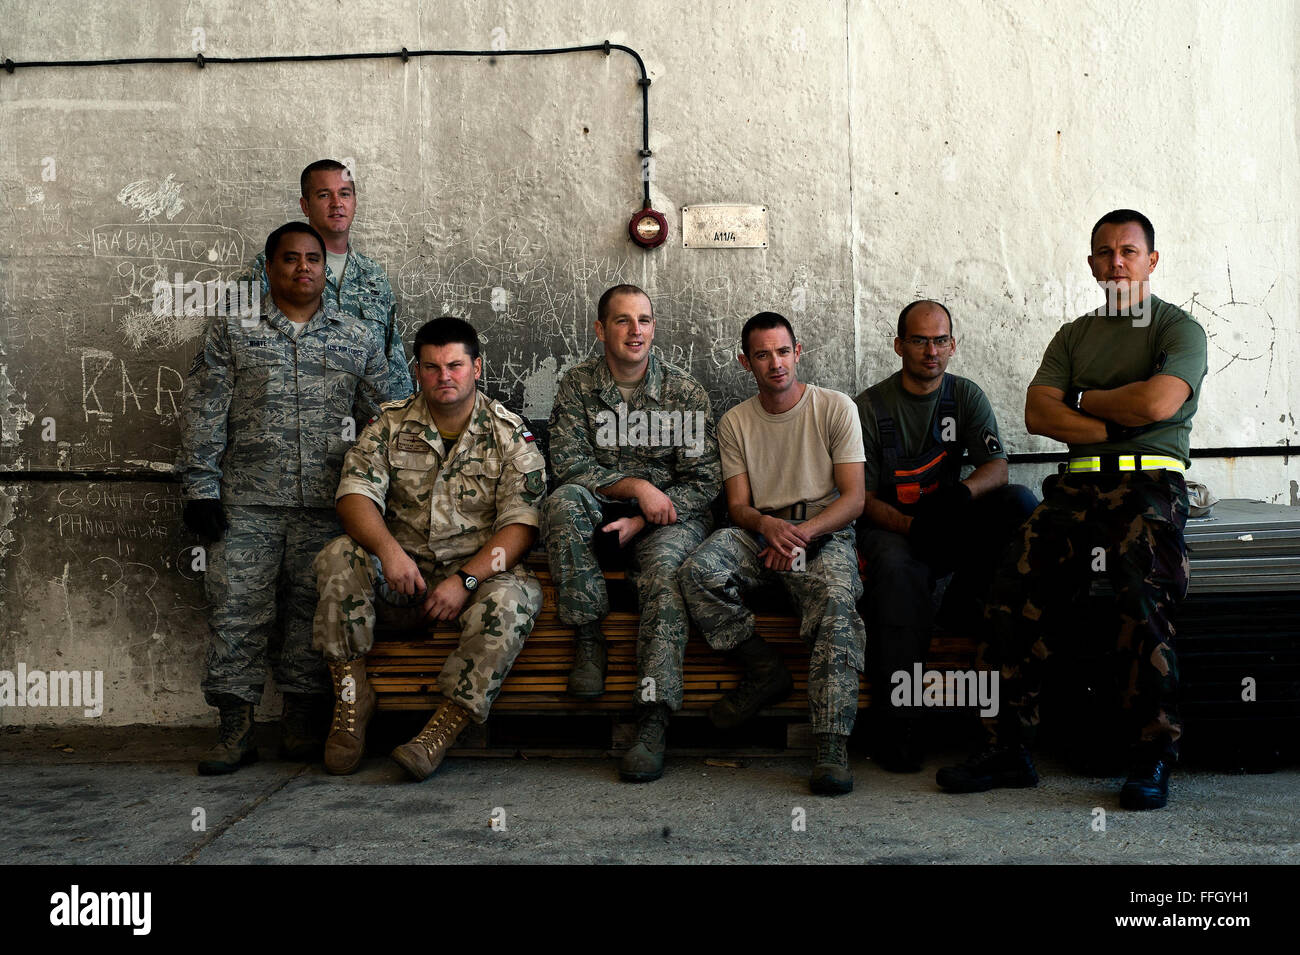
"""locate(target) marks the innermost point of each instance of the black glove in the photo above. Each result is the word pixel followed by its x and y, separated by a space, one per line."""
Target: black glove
pixel 936 516
pixel 206 519
pixel 947 503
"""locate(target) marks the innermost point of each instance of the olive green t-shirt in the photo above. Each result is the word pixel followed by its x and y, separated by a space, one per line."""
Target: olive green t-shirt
pixel 1107 351
pixel 976 427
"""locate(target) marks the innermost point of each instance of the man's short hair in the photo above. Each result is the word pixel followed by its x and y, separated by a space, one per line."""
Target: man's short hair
pixel 447 331
pixel 273 240
pixel 322 165
pixel 1121 216
pixel 902 316
pixel 761 322
pixel 602 307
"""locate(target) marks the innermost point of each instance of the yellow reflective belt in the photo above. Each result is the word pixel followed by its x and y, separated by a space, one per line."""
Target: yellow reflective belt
pixel 1150 462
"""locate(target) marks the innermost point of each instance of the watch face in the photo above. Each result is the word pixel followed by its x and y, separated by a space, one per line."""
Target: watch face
pixel 471 582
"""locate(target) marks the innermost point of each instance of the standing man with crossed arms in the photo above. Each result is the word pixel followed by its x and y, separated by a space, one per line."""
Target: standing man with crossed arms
pixel 1120 386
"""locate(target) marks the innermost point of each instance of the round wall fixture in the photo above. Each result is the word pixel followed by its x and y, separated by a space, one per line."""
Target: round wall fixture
pixel 648 228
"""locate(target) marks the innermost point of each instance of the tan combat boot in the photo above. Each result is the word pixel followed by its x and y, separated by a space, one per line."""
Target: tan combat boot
pixel 353 707
pixel 422 755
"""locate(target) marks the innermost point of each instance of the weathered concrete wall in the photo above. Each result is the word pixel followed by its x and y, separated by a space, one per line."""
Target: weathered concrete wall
pixel 903 149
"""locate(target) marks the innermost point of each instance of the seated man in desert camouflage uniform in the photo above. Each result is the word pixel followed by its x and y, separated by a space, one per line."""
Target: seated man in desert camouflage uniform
pixel 440 500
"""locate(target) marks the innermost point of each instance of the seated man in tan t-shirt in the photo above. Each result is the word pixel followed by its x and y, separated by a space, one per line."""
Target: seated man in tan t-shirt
pixel 792 463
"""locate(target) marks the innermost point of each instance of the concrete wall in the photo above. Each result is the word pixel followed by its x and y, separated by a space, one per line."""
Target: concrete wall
pixel 953 150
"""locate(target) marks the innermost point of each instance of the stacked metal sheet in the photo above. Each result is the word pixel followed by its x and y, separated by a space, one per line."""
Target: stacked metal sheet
pixel 1245 547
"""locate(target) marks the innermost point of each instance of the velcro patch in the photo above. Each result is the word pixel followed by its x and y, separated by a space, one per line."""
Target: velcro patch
pixel 991 443
pixel 197 365
pixel 406 441
pixel 527 435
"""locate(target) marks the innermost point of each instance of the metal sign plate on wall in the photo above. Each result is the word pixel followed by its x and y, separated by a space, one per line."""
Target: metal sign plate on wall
pixel 724 227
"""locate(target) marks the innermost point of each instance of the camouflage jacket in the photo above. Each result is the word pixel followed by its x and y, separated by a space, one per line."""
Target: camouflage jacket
pixel 364 294
pixel 440 504
pixel 666 435
pixel 268 416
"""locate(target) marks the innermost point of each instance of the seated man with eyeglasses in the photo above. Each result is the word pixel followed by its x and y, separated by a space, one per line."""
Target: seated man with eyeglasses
pixel 921 521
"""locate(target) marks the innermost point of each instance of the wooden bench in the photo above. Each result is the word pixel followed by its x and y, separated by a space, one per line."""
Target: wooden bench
pixel 403 667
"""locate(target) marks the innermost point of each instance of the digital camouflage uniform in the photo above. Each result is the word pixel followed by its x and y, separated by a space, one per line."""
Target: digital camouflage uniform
pixel 268 418
pixel 442 507
pixel 365 294
pixel 584 459
pixel 825 591
pixel 1135 517
pixel 825 594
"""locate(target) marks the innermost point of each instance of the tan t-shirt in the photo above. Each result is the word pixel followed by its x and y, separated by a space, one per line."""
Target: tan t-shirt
pixel 790 457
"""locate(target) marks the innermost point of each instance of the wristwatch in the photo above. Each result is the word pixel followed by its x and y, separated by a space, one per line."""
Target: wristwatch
pixel 1074 398
pixel 471 582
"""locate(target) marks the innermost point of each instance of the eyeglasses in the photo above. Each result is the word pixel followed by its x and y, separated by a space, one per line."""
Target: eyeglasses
pixel 920 341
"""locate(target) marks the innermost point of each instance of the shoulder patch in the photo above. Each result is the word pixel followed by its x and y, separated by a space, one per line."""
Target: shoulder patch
pixel 991 443
pixel 197 365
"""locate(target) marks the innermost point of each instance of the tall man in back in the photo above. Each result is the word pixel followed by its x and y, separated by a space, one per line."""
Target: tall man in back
pixel 635 457
pixel 1119 386
pixel 792 470
pixel 922 521
pixel 355 283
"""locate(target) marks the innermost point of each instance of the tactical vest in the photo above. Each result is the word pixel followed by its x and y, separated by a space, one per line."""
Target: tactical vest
pixel 904 481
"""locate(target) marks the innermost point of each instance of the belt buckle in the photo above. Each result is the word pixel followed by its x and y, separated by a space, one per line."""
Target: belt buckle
pixel 799 511
pixel 1108 463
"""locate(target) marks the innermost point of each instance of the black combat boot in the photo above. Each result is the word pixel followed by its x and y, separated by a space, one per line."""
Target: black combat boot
pixel 1147 786
pixel 587 678
pixel 303 726
pixel 644 762
pixel 766 680
pixel 896 746
pixel 831 775
pixel 235 745
pixel 993 768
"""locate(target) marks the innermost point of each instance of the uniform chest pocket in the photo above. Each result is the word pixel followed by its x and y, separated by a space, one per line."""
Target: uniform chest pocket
pixel 344 366
pixel 413 460
pixel 473 486
pixel 262 369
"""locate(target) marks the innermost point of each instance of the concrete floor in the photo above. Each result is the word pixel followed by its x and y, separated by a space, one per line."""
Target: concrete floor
pixel 128 795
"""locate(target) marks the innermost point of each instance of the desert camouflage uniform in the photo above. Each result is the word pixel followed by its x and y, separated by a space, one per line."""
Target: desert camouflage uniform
pixel 825 594
pixel 442 506
pixel 267 421
pixel 365 294
pixel 584 462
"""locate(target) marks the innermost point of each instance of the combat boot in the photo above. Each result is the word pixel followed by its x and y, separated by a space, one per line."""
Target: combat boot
pixel 644 762
pixel 1147 785
pixel 994 768
pixel 765 680
pixel 304 724
pixel 422 755
pixel 831 775
pixel 354 704
pixel 235 744
pixel 587 678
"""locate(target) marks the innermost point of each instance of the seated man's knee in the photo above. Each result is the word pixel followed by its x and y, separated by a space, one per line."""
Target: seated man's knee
pixel 337 555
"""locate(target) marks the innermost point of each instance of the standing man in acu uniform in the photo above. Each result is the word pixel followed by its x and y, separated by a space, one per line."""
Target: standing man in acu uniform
pixel 268 417
pixel 356 284
pixel 921 521
pixel 439 499
pixel 1119 386
pixel 636 458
